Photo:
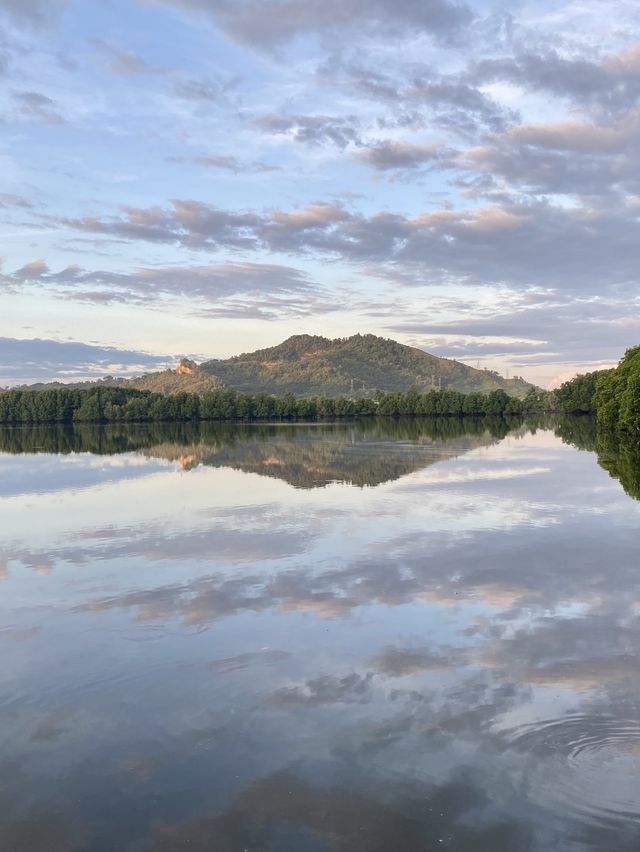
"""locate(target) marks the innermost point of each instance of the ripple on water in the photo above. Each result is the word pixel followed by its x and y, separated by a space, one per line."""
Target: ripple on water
pixel 583 766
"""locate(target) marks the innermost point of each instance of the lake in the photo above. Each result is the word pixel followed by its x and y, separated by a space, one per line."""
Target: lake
pixel 364 637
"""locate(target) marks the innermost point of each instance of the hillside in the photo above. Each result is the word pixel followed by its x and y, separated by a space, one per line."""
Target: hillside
pixel 186 378
pixel 355 366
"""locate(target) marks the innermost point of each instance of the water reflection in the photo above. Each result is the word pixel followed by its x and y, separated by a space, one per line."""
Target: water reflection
pixel 364 452
pixel 217 638
pixel 618 454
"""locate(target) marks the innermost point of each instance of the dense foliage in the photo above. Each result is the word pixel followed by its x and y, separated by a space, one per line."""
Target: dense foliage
pixel 448 402
pixel 538 401
pixel 578 395
pixel 614 395
pixel 105 404
pixel 617 396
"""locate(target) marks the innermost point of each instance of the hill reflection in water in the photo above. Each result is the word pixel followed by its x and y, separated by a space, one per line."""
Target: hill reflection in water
pixel 313 455
pixel 362 452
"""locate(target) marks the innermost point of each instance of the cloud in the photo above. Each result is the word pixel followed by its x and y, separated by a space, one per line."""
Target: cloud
pixel 573 330
pixel 454 102
pixel 611 83
pixel 209 283
pixel 34 106
pixel 267 23
pixel 226 163
pixel 204 90
pixel 274 307
pixel 127 62
pixel 570 156
pixel 40 359
pixel 390 155
pixel 520 243
pixel 340 131
pixel 191 223
pixel 8 199
pixel 457 106
pixel 32 12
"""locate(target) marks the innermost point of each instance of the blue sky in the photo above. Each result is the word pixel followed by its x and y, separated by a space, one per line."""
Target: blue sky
pixel 206 177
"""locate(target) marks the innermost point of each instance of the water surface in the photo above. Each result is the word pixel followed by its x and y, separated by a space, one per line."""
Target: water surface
pixel 360 637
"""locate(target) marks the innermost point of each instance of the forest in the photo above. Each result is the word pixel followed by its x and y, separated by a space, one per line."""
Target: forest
pixel 578 395
pixel 613 395
pixel 113 405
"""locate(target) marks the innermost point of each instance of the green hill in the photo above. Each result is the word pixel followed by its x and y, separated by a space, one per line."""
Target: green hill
pixel 308 365
pixel 353 366
pixel 186 378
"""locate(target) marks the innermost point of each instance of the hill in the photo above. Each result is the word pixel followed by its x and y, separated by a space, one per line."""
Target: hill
pixel 355 366
pixel 186 378
pixel 308 365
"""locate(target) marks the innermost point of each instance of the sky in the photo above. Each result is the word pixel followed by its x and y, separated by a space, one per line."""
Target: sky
pixel 209 177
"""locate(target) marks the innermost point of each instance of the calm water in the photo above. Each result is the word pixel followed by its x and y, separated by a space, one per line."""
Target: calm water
pixel 364 638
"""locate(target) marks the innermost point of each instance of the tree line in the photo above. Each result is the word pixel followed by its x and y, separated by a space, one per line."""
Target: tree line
pixel 613 395
pixel 115 405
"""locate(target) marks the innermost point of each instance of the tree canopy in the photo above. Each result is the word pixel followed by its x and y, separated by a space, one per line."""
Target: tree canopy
pixel 106 404
pixel 617 396
pixel 578 395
